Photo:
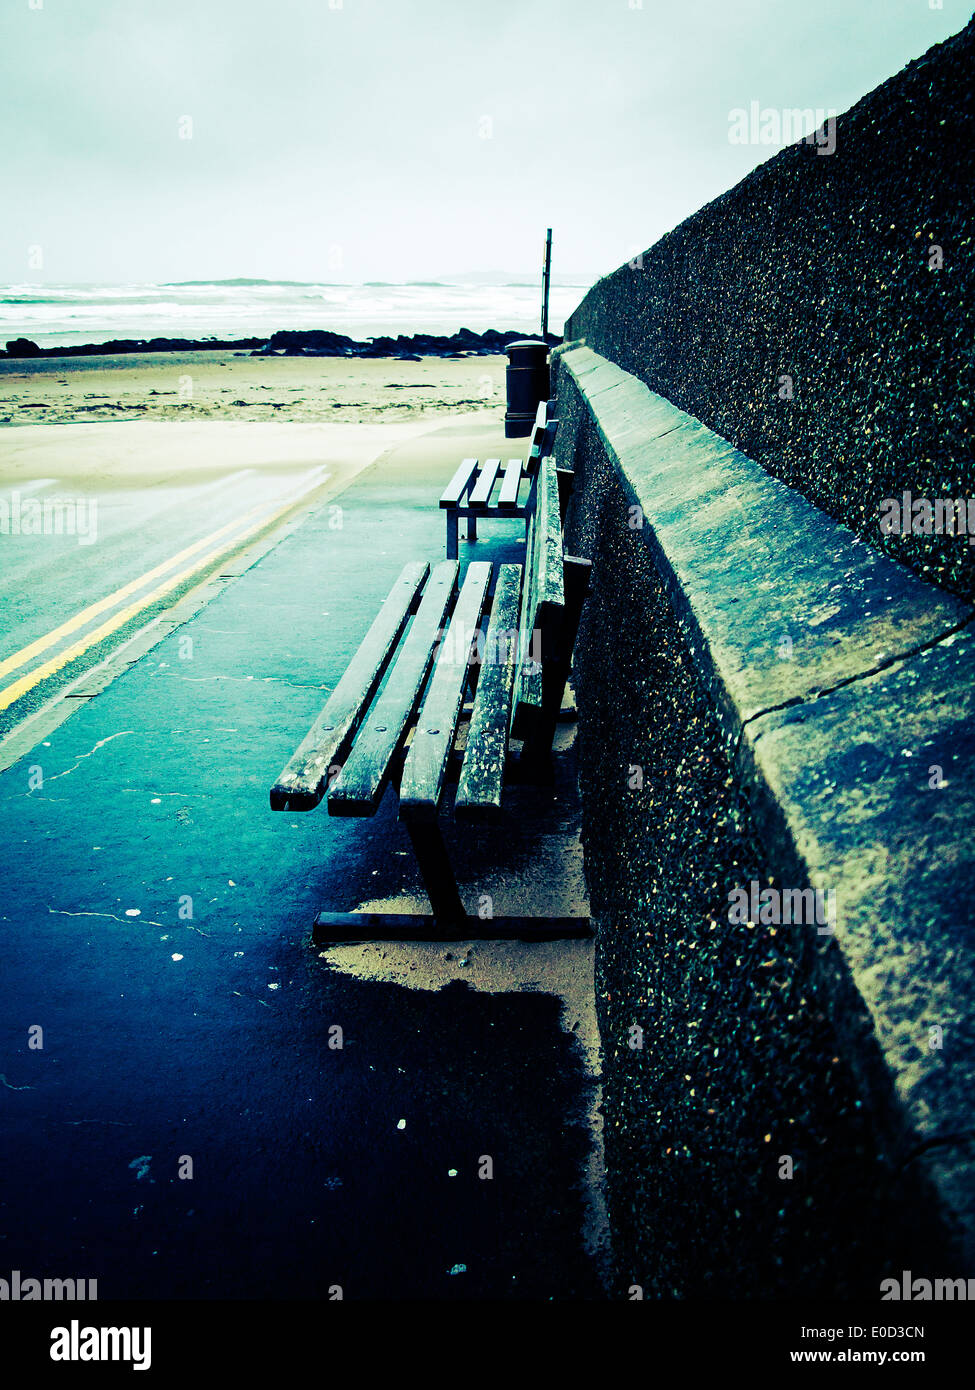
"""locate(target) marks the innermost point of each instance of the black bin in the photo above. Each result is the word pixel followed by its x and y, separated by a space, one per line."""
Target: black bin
pixel 527 383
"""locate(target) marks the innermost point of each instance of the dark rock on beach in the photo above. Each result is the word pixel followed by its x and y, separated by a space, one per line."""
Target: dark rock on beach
pixel 316 342
pixel 23 347
pixel 310 342
pixel 313 342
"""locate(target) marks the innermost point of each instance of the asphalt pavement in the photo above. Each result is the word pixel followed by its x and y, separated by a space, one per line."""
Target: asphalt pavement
pixel 190 1127
pixel 103 527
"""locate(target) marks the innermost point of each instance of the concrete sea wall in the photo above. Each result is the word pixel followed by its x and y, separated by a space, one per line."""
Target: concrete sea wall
pixel 766 702
pixel 776 697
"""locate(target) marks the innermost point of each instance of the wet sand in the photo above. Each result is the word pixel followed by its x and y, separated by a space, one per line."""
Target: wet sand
pixel 200 386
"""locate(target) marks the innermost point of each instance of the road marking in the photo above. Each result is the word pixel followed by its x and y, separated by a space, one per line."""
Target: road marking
pixel 27 682
pixel 87 615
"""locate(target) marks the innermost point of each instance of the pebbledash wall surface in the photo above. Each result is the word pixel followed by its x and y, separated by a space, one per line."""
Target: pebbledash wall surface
pixel 776 704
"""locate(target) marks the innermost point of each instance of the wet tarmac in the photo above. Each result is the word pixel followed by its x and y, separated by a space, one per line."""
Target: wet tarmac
pixel 190 1127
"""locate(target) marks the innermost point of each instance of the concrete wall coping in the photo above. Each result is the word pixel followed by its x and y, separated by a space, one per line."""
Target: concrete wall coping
pixel 845 685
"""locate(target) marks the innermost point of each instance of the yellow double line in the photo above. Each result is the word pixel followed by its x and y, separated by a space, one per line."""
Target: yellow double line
pixel 87 615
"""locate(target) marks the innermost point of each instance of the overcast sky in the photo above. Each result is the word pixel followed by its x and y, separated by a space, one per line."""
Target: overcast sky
pixel 399 139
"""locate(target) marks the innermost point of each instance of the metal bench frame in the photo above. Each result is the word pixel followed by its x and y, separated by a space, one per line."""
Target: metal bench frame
pixel 406 736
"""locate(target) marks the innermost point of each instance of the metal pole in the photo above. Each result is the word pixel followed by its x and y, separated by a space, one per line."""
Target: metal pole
pixel 546 280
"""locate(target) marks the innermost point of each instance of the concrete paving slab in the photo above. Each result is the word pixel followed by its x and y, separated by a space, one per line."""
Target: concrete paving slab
pixel 842 685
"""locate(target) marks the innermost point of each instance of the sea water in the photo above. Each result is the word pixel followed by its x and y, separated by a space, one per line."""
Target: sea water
pixel 55 315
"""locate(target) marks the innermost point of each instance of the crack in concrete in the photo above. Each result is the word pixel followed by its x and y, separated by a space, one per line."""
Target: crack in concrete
pixel 122 1124
pixel 939 1141
pixel 851 680
pixel 252 997
pixel 126 921
pixel 260 680
pixel 100 744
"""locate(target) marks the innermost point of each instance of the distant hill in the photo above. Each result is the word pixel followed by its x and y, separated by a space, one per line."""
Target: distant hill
pixel 468 277
pixel 241 281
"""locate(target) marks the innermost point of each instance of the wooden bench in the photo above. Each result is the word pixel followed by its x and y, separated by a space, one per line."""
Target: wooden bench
pixel 492 489
pixel 428 636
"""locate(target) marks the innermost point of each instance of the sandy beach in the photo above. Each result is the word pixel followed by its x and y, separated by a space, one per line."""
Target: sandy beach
pixel 156 470
pixel 218 385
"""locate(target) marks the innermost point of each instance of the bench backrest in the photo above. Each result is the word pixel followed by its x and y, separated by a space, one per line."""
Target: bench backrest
pixel 472 487
pixel 542 597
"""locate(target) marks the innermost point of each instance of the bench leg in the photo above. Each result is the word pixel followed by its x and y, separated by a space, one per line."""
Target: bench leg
pixel 451 535
pixel 404 926
pixel 435 870
pixel 449 920
pixel 472 528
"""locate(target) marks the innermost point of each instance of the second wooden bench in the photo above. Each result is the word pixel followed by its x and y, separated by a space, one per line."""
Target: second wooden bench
pixel 474 491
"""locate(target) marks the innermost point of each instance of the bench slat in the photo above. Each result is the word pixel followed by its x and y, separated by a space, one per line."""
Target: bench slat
pixel 302 784
pixel 528 679
pixel 550 586
pixel 458 484
pixel 425 768
pixel 545 591
pixel 535 446
pixel 482 775
pixel 541 418
pixel 542 438
pixel 360 785
pixel 481 494
pixel 508 496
